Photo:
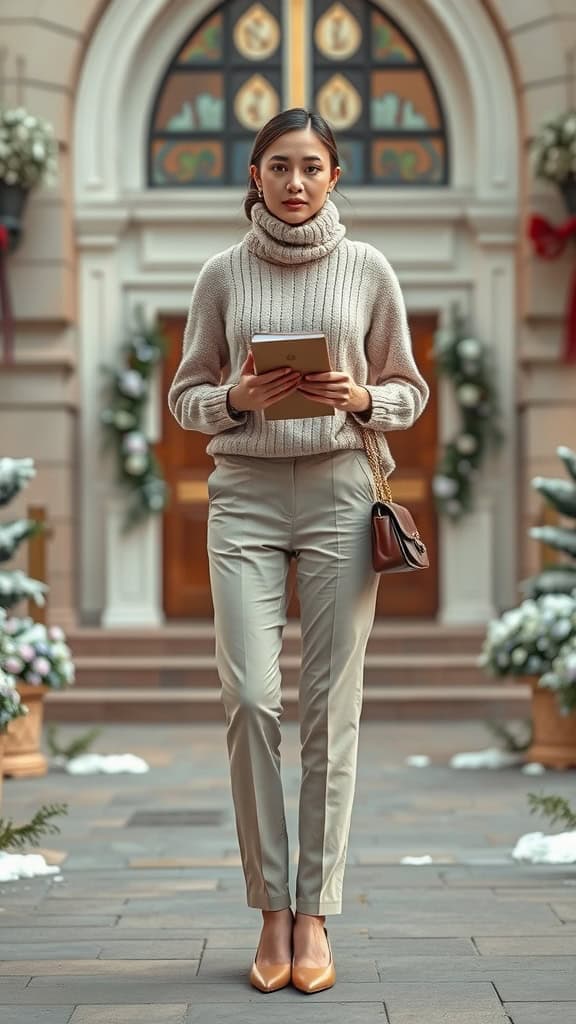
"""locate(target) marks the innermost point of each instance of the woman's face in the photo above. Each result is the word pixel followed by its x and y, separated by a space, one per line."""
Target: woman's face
pixel 295 175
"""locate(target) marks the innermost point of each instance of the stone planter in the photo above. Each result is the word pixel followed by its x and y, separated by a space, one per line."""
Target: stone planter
pixel 22 756
pixel 2 747
pixel 13 200
pixel 554 735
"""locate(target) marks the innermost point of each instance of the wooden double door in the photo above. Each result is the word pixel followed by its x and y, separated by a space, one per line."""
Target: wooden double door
pixel 186 466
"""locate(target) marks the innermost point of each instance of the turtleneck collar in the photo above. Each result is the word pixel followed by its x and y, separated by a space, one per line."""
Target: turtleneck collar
pixel 273 240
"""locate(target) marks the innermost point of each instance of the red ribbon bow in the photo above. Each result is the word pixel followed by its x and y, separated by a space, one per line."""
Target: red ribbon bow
pixel 5 303
pixel 550 242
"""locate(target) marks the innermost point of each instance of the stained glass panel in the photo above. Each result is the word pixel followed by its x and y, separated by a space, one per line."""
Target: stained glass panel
pixel 351 153
pixel 402 100
pixel 205 46
pixel 398 161
pixel 389 46
pixel 187 163
pixel 192 102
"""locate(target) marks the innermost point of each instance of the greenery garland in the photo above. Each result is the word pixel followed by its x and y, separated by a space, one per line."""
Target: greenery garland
pixel 126 402
pixel 466 361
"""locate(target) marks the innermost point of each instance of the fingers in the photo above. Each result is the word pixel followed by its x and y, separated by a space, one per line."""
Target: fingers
pixel 248 364
pixel 331 376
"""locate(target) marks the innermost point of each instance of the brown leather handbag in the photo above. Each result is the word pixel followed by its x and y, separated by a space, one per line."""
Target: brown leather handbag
pixel 396 544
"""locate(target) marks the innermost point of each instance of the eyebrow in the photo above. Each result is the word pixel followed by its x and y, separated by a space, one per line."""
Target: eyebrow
pixel 287 158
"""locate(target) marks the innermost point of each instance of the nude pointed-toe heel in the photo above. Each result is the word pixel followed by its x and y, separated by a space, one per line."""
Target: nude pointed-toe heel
pixel 269 977
pixel 314 979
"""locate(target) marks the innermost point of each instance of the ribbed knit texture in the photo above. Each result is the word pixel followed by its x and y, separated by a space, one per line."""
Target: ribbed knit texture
pixel 284 278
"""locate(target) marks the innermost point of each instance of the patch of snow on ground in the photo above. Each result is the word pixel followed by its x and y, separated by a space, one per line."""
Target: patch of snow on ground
pixel 491 757
pixel 538 848
pixel 418 760
pixel 24 865
pixel 106 764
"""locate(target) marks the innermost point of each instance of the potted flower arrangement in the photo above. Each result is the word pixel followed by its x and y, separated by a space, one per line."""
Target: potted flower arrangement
pixel 11 705
pixel 537 641
pixel 28 156
pixel 554 155
pixel 39 659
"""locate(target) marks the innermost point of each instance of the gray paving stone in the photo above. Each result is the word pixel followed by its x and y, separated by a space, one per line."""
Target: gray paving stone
pixel 155 949
pixel 179 970
pixel 367 1013
pixel 58 921
pixel 468 968
pixel 565 911
pixel 551 987
pixel 36 1014
pixel 86 933
pixel 48 951
pixel 526 945
pixel 171 1014
pixel 444 1004
pixel 541 1013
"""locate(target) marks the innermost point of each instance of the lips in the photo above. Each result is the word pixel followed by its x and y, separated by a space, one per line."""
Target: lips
pixel 295 203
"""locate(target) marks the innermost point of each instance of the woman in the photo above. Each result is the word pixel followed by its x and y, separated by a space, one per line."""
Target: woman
pixel 302 488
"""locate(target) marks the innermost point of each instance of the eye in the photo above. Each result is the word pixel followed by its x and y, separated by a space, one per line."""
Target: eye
pixel 313 168
pixel 278 167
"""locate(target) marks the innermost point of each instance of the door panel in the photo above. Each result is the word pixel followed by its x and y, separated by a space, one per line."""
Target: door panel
pixel 186 466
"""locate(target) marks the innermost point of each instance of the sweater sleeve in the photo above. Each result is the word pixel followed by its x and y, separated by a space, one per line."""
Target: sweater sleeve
pixel 196 397
pixel 399 393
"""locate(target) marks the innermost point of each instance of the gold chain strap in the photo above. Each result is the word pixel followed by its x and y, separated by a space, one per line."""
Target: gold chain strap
pixel 381 485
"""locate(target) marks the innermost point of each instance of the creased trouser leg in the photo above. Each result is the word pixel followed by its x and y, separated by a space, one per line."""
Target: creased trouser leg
pixel 248 580
pixel 337 590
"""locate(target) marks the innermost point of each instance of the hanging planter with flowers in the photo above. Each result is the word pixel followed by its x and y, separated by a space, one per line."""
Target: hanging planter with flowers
pixel 466 361
pixel 28 157
pixel 554 160
pixel 123 420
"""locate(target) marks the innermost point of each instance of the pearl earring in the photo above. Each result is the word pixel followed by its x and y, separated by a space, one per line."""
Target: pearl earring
pixel 260 194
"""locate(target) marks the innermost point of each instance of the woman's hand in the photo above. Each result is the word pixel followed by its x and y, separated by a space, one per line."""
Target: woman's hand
pixel 259 391
pixel 337 389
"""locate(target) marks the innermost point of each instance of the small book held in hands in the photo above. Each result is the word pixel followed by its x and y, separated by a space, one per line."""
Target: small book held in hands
pixel 307 353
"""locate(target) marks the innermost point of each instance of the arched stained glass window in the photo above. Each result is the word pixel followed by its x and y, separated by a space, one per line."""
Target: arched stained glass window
pixel 224 83
pixel 364 76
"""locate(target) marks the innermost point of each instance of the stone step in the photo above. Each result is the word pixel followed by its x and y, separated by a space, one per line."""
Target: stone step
pixel 197 638
pixel 134 705
pixel 191 672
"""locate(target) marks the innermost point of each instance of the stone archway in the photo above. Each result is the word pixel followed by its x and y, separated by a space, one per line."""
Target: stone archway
pixel 455 245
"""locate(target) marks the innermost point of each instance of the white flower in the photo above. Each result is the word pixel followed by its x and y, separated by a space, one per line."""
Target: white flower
pixel 132 384
pixel 123 420
pixel 518 656
pixel 466 444
pixel 134 443
pixel 469 395
pixel 136 464
pixel 444 486
pixel 469 348
pixel 38 151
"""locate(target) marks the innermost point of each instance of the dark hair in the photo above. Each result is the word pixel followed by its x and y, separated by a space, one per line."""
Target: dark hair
pixel 287 121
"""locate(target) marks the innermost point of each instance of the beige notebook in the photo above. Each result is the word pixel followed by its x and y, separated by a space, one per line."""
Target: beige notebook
pixel 305 352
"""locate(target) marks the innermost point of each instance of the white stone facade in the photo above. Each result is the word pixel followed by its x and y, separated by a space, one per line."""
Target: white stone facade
pixel 101 243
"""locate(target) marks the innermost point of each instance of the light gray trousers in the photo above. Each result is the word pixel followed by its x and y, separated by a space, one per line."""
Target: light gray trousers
pixel 261 512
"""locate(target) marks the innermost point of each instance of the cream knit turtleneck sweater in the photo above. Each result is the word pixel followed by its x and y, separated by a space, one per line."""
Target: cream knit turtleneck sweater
pixel 297 278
